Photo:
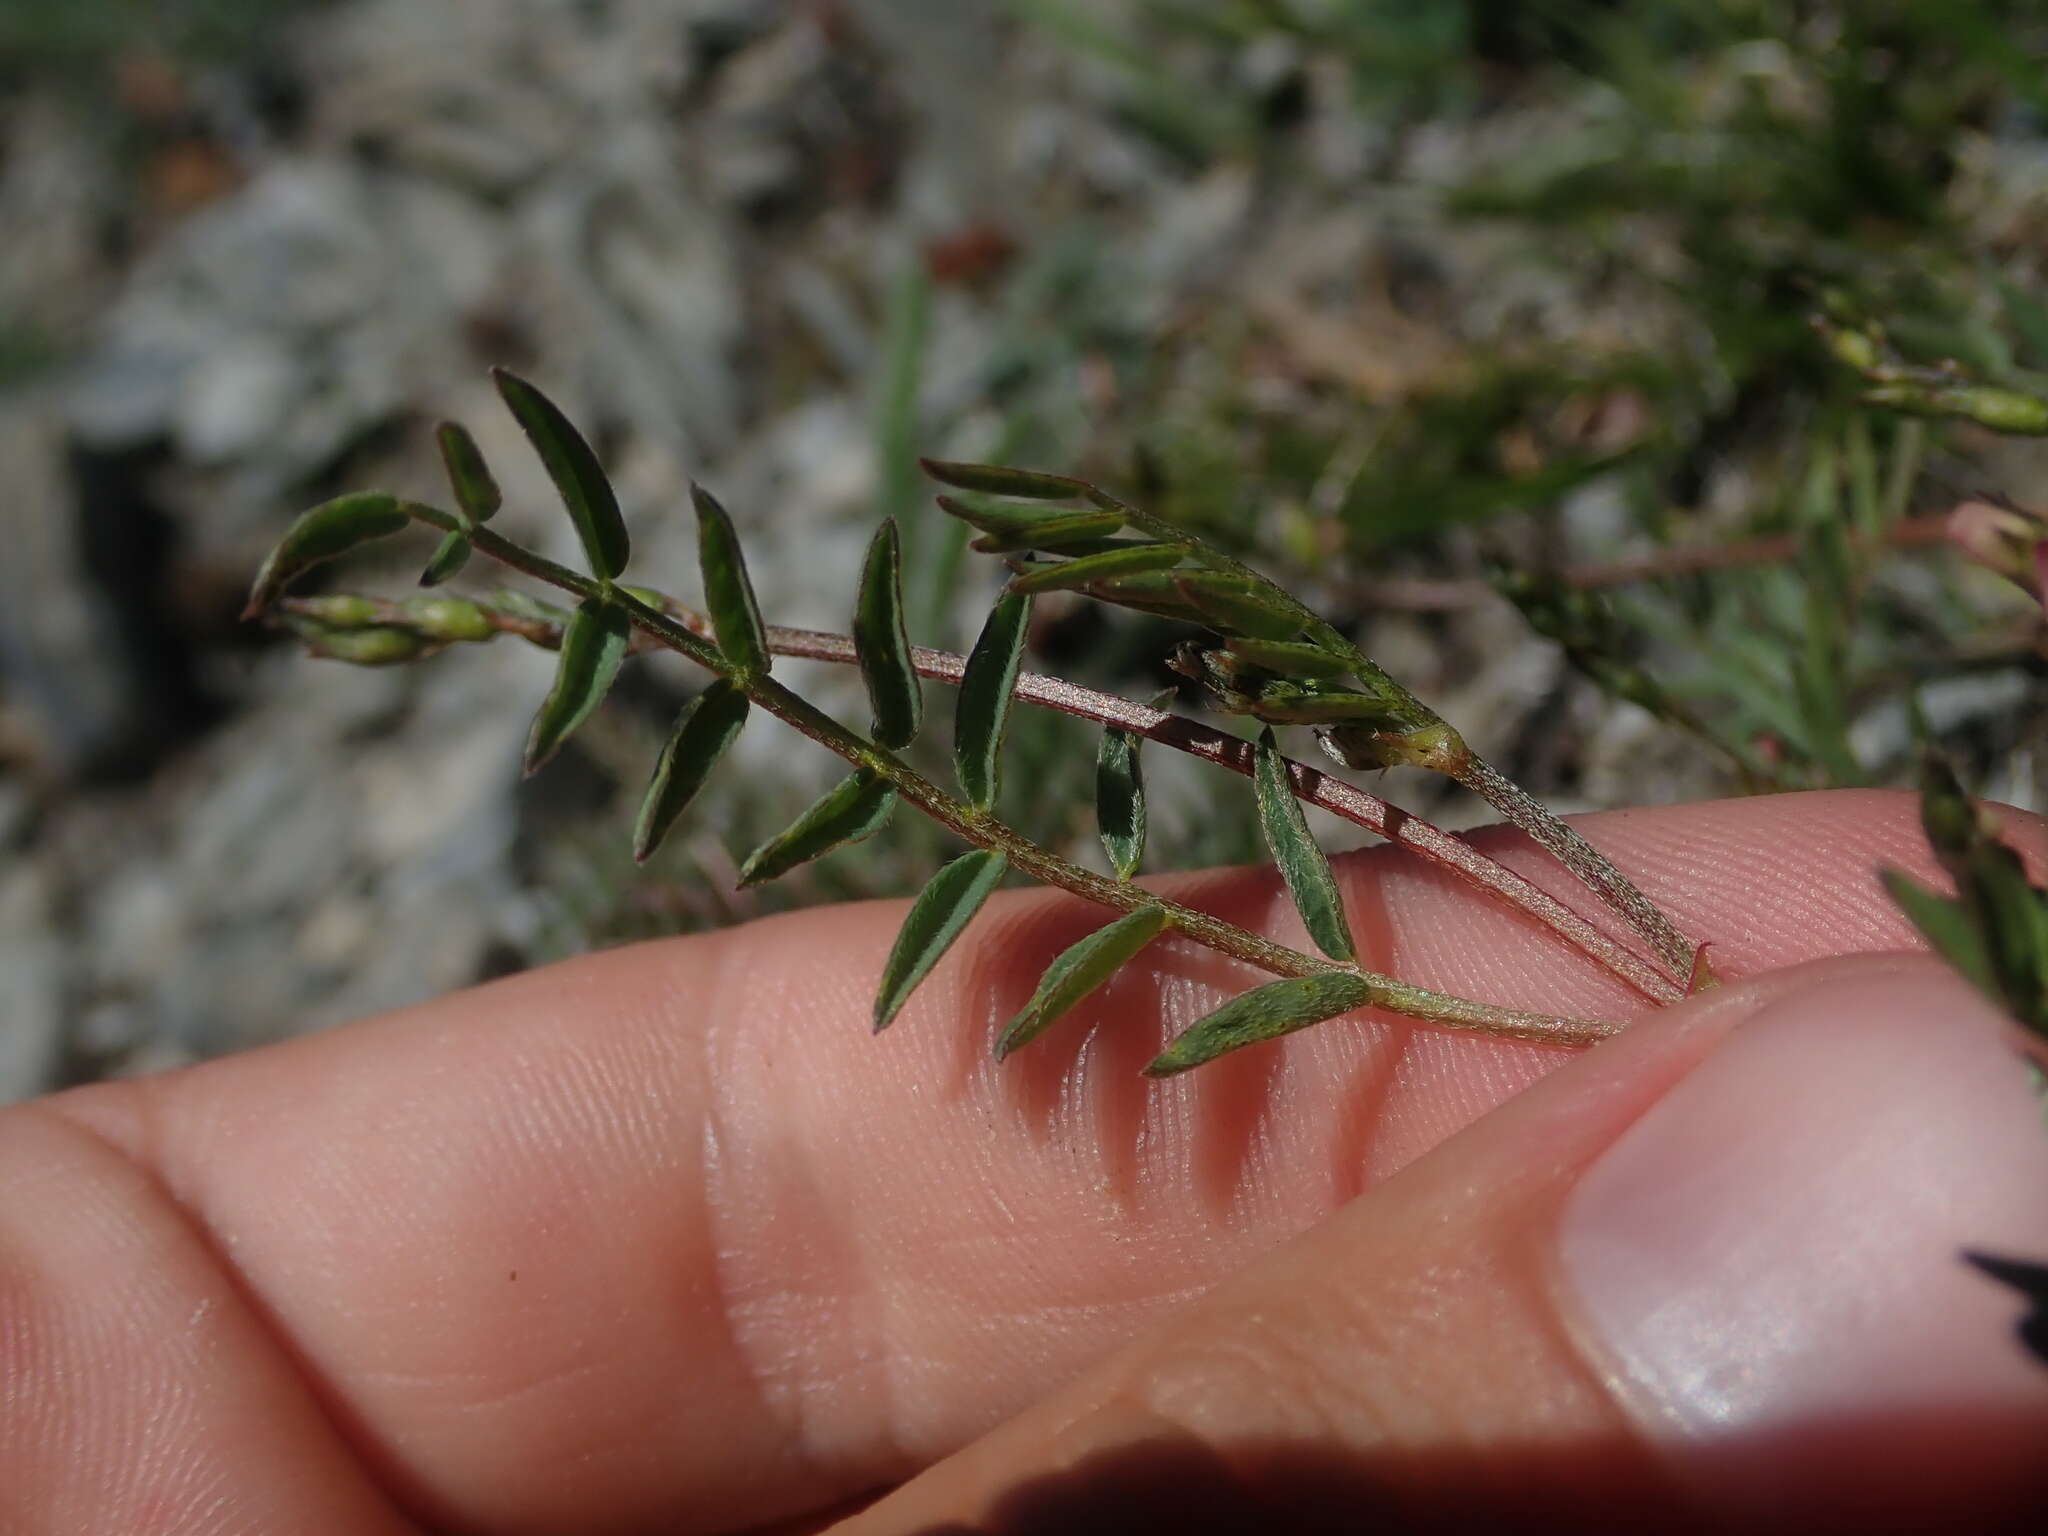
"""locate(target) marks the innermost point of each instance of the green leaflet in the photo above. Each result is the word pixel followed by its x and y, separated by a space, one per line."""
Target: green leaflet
pixel 1154 592
pixel 1290 705
pixel 593 649
pixel 1079 970
pixel 1946 925
pixel 450 556
pixel 1288 658
pixel 997 480
pixel 1264 1013
pixel 578 477
pixel 1238 606
pixel 1109 564
pixel 330 529
pixel 709 724
pixel 476 492
pixel 477 499
pixel 857 807
pixel 1302 864
pixel 2005 911
pixel 942 910
pixel 728 592
pixel 982 712
pixel 1120 800
pixel 882 642
pixel 1081 533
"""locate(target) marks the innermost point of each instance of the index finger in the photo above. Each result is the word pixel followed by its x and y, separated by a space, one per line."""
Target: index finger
pixel 662 1235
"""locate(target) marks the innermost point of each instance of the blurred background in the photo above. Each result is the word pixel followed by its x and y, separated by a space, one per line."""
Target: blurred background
pixel 1387 295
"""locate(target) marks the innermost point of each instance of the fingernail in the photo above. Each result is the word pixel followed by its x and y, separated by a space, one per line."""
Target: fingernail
pixel 1767 1266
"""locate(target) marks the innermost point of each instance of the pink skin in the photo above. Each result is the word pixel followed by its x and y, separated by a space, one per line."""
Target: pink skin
pixel 663 1239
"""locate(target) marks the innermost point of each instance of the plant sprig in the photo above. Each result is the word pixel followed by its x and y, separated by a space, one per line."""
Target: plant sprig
pixel 610 621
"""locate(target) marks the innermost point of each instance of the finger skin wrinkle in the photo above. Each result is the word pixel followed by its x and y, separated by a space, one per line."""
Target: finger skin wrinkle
pixel 140 1390
pixel 795 1285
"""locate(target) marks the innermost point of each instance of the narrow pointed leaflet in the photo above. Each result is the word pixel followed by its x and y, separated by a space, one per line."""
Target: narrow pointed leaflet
pixel 477 498
pixel 940 914
pixel 999 480
pixel 593 649
pixel 728 590
pixel 1120 800
pixel 710 723
pixel 1104 565
pixel 469 477
pixel 1302 863
pixel 330 529
pixel 857 807
pixel 579 478
pixel 1079 970
pixel 982 712
pixel 881 642
pixel 1264 1013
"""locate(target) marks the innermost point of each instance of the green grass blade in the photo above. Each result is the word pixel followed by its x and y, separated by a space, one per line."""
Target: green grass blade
pixel 573 466
pixel 1265 1013
pixel 1106 566
pixel 882 642
pixel 710 723
pixel 330 529
pixel 1079 970
pixel 1302 863
pixel 1120 800
pixel 982 713
pixel 593 649
pixel 856 808
pixel 728 590
pixel 940 914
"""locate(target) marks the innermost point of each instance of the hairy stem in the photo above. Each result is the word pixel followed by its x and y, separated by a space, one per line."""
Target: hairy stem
pixel 1588 863
pixel 1177 732
pixel 984 831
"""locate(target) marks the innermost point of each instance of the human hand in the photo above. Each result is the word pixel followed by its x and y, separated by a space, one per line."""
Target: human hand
pixel 661 1240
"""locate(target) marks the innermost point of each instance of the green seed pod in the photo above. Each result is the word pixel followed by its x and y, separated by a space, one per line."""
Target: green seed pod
pixel 447 618
pixel 338 612
pixel 381 645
